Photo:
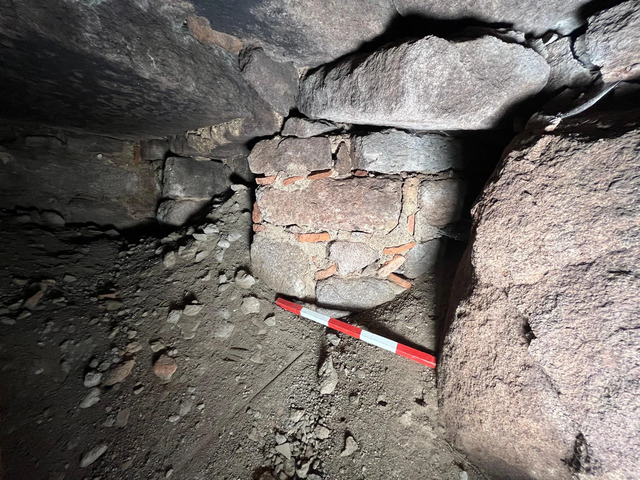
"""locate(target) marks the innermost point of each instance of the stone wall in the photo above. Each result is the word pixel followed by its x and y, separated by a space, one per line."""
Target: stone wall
pixel 349 220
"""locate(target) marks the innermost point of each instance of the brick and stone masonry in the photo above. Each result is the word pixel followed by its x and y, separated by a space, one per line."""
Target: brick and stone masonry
pixel 349 221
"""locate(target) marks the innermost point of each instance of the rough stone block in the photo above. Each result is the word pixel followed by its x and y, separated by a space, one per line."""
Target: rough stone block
pixel 283 267
pixel 187 178
pixel 440 202
pixel 612 40
pixel 292 155
pixel 422 259
pixel 275 82
pixel 428 84
pixel 305 128
pixel 394 151
pixel 354 294
pixel 177 212
pixel 566 70
pixel 358 204
pixel 352 256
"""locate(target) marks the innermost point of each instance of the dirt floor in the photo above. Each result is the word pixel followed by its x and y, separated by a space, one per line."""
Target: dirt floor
pixel 257 393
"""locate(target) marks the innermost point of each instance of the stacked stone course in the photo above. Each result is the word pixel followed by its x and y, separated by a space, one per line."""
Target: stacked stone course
pixel 328 231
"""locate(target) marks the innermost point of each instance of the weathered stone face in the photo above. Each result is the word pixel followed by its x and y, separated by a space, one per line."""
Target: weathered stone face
pixel 291 155
pixel 395 151
pixel 286 268
pixel 539 374
pixel 360 204
pixel 612 40
pixel 352 256
pixel 186 178
pixel 305 128
pixel 428 84
pixel 353 294
pixel 440 202
pixel 84 178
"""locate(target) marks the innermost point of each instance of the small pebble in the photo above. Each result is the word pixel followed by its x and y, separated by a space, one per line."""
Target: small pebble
pixel 92 379
pixel 250 305
pixel 92 455
pixel 91 398
pixel 165 367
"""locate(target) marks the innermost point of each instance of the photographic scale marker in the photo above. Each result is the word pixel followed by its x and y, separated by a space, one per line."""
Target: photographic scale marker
pixel 356 332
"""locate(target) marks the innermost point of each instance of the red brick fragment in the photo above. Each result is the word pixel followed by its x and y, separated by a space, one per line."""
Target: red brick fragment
pixel 313 237
pixel 320 175
pixel 326 273
pixel 256 215
pixel 360 173
pixel 399 280
pixel 290 180
pixel 399 248
pixel 265 180
pixel 258 228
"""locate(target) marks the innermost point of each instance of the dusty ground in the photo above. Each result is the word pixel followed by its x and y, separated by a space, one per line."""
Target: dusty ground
pixel 245 383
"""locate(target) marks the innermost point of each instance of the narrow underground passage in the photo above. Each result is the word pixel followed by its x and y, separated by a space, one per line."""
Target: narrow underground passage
pixel 169 171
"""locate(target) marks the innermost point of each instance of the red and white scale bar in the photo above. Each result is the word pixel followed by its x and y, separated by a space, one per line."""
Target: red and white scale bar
pixel 371 338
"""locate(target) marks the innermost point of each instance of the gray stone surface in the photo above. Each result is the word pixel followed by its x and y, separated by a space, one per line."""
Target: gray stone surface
pixel 82 178
pixel 422 259
pixel 308 33
pixel 395 151
pixel 566 71
pixel 178 212
pixel 427 84
pixel 539 372
pixel 186 178
pixel 352 256
pixel 440 202
pixel 275 82
pixel 612 40
pixel 227 139
pixel 129 68
pixel 353 294
pixel 283 267
pixel 295 156
pixel 154 149
pixel 358 204
pixel 305 128
pixel 531 16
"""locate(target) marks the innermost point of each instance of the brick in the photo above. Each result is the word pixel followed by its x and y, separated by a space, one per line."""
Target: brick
pixel 391 266
pixel 399 280
pixel 411 223
pixel 296 156
pixel 360 173
pixel 266 180
pixel 320 175
pixel 355 204
pixel 326 273
pixel 256 216
pixel 313 237
pixel 399 248
pixel 291 180
pixel 258 228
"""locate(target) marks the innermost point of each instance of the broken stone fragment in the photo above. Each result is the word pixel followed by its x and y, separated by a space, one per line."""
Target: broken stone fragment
pixel 305 128
pixel 422 259
pixel 92 455
pixel 119 373
pixel 296 156
pixel 178 212
pixel 165 367
pixel 275 82
pixel 428 84
pixel 350 447
pixel 395 151
pixel 328 377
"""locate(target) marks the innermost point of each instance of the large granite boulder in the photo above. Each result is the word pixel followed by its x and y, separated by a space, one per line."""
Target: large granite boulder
pixel 428 84
pixel 612 40
pixel 540 371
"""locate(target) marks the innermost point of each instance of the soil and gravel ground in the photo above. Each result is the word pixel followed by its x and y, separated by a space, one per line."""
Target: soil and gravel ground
pixel 257 393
